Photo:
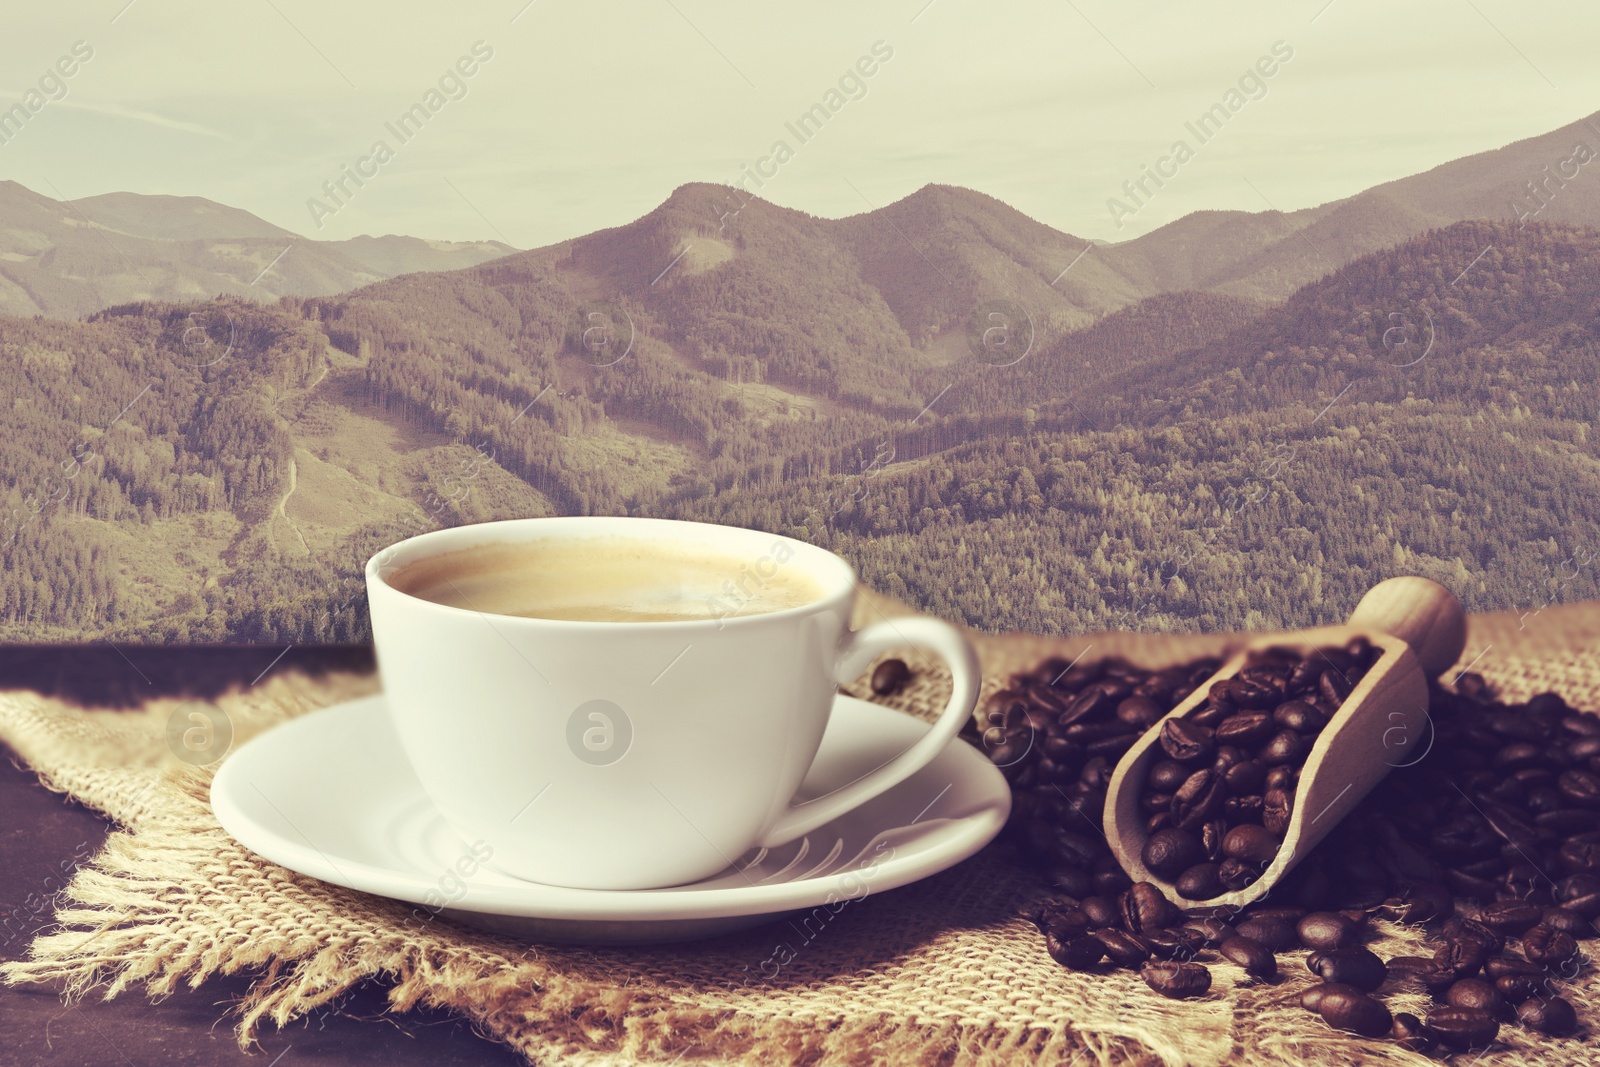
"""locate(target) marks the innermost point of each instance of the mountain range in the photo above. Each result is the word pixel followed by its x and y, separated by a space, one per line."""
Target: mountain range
pixel 1235 420
pixel 65 259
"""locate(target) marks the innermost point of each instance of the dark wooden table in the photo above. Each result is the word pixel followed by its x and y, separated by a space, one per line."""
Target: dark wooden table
pixel 39 830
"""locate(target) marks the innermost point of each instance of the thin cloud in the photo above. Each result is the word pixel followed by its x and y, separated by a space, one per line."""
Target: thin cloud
pixel 151 117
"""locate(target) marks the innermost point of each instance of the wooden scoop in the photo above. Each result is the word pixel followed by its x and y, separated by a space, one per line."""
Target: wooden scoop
pixel 1421 629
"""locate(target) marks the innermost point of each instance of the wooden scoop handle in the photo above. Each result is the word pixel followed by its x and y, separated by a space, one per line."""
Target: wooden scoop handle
pixel 1422 613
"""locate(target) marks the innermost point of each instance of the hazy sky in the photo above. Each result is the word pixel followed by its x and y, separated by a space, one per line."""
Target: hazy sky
pixel 588 114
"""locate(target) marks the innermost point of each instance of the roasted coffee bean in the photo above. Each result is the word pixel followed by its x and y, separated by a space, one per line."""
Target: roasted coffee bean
pixel 1548 1015
pixel 1186 742
pixel 1211 835
pixel 1463 1028
pixel 1517 757
pixel 1509 916
pixel 1410 1033
pixel 1278 935
pixel 1121 947
pixel 1518 987
pixel 1277 808
pixel 1179 981
pixel 1227 756
pixel 1568 922
pixel 1243 693
pixel 1420 971
pixel 1462 927
pixel 1579 893
pixel 1059 750
pixel 1403 968
pixel 1565 820
pixel 1065 878
pixel 1199 882
pixel 1154 803
pixel 1245 778
pixel 1311 999
pixel 1109 878
pixel 1327 930
pixel 890 677
pixel 1299 716
pixel 1477 993
pixel 1250 954
pixel 1078 953
pixel 1548 947
pixel 1303 677
pixel 1580 787
pixel 1245 729
pixel 1166 776
pixel 1357 966
pixel 1089 731
pixel 1213 932
pixel 1236 874
pixel 1174 942
pixel 1199 798
pixel 1286 747
pixel 1346 1008
pixel 1500 966
pixel 1426 901
pixel 1170 852
pixel 1089 704
pixel 1332 687
pixel 1281 778
pixel 1101 912
pixel 1140 712
pixel 1112 747
pixel 1063 919
pixel 1253 844
pixel 1462 956
pixel 1525 882
pixel 1144 907
pixel 1580 857
pixel 1238 810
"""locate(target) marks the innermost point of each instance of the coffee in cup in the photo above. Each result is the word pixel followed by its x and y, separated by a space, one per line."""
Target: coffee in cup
pixel 611 579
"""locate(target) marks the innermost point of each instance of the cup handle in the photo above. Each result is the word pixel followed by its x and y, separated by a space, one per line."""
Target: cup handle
pixel 944 641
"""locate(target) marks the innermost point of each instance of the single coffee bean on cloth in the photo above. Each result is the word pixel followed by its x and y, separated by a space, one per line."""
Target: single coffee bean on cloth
pixel 954 969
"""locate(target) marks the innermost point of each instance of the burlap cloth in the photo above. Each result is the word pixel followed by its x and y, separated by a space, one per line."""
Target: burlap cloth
pixel 943 971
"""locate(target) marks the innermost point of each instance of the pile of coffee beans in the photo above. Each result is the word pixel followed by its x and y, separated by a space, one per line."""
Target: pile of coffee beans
pixel 1057 733
pixel 1488 844
pixel 1219 798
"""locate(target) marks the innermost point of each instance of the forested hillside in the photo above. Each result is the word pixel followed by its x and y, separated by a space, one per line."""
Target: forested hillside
pixel 221 470
pixel 1407 415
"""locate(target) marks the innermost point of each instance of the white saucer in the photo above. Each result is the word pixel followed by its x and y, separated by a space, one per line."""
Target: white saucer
pixel 331 795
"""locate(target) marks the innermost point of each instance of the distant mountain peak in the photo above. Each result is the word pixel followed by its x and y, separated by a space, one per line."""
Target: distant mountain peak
pixel 70 258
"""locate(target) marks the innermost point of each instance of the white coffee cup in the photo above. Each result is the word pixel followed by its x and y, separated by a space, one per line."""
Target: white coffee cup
pixel 636 755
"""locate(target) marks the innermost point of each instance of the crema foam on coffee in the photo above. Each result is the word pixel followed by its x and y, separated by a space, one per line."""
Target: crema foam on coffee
pixel 609 580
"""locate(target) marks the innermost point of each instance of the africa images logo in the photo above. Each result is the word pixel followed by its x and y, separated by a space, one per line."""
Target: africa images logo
pixel 50 88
